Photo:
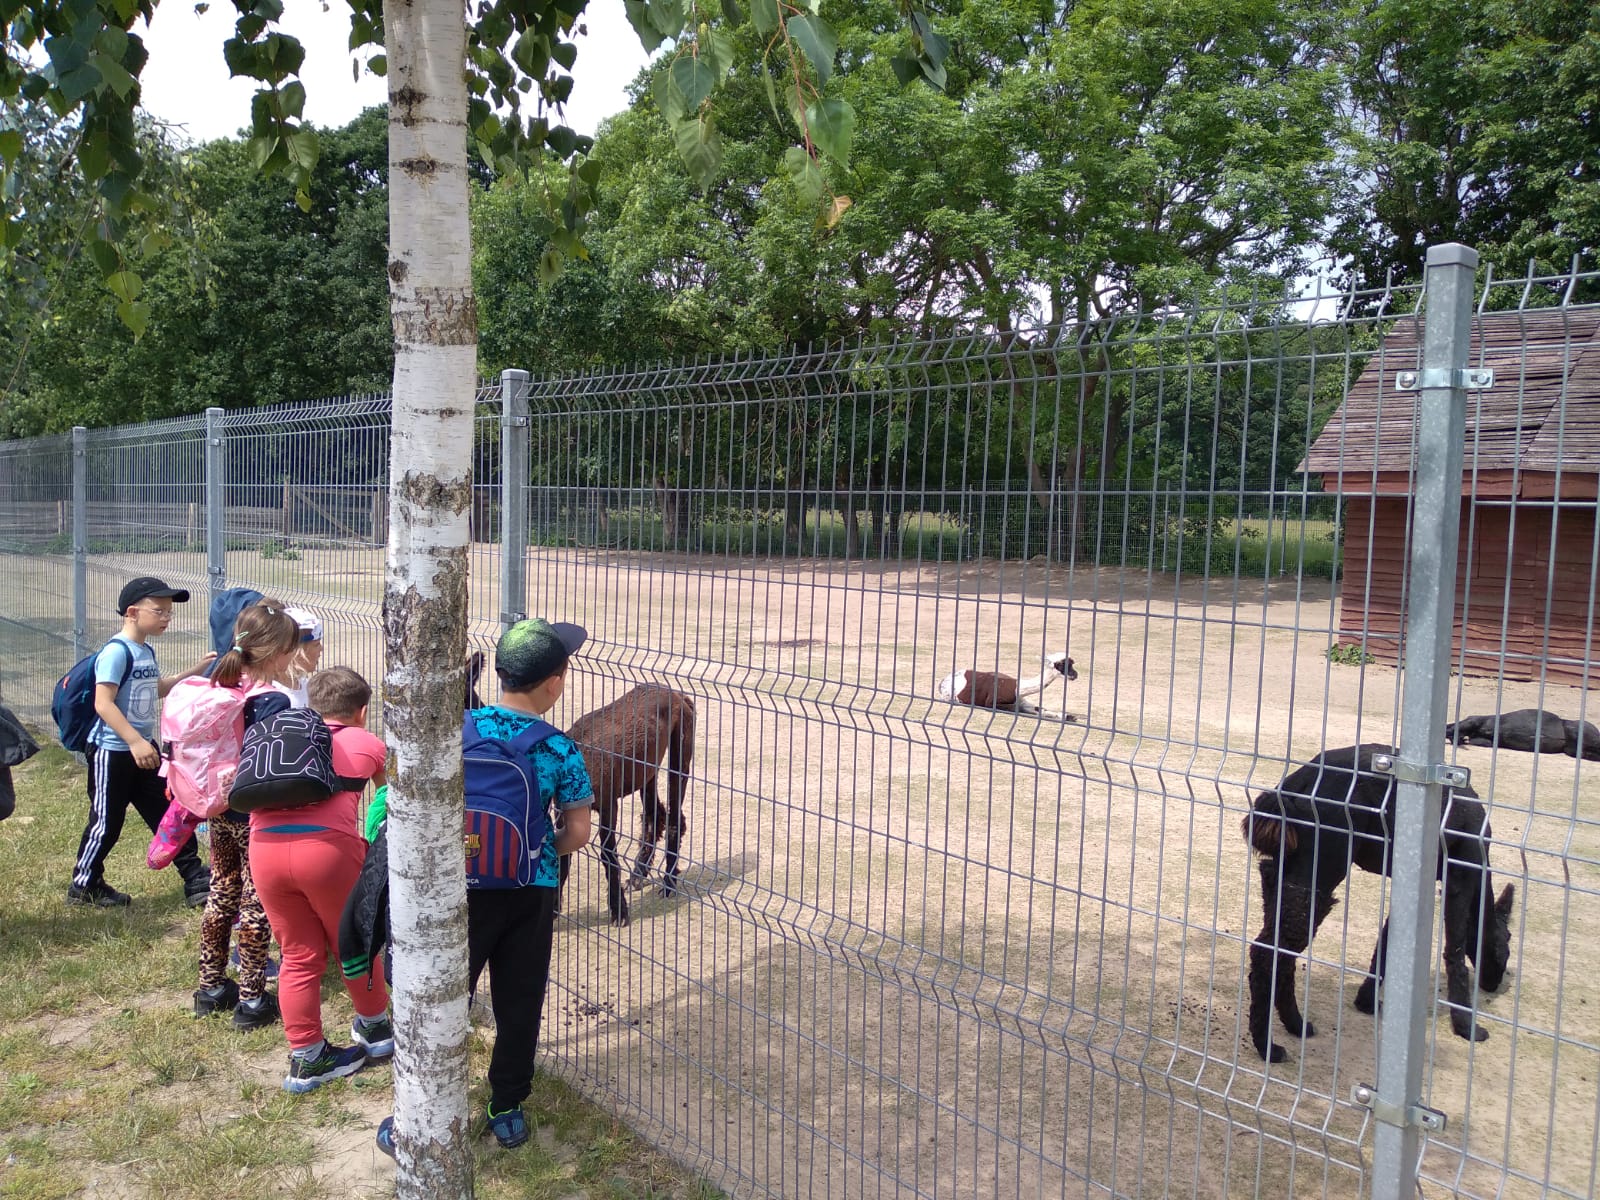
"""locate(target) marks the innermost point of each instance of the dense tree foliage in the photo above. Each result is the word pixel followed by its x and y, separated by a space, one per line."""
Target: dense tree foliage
pixel 1083 162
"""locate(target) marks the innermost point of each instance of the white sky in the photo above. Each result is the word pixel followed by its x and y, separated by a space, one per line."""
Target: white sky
pixel 186 81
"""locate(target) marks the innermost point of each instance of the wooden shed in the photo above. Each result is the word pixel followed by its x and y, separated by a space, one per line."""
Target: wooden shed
pixel 1525 583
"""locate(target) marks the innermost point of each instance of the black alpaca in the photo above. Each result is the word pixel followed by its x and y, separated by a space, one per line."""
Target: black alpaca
pixel 622 746
pixel 1331 813
pixel 1530 729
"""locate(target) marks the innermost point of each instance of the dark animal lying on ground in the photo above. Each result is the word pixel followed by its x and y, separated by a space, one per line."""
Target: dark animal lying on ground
pixel 991 689
pixel 622 746
pixel 1337 811
pixel 1530 729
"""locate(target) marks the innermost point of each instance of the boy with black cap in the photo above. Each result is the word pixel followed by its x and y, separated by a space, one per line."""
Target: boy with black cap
pixel 511 929
pixel 124 760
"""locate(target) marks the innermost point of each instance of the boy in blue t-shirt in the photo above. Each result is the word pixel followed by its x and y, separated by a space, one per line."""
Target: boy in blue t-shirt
pixel 124 759
pixel 511 930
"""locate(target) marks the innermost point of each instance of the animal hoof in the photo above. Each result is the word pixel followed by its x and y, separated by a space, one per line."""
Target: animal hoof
pixel 1366 1002
pixel 1275 1054
pixel 1480 1034
pixel 1307 1029
pixel 620 920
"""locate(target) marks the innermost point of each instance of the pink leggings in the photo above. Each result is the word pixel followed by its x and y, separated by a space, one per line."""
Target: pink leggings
pixel 303 880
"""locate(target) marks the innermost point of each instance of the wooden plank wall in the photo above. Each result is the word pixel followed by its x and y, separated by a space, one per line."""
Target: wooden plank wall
pixel 1542 628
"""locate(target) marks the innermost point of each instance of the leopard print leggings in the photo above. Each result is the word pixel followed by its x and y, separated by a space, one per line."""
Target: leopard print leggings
pixel 233 894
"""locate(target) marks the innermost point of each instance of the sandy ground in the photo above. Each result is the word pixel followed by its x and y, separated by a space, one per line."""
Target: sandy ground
pixel 930 951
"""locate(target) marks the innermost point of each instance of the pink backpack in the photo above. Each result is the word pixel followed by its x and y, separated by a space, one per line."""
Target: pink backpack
pixel 202 726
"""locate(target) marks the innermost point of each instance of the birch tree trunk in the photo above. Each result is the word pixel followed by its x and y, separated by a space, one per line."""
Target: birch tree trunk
pixel 435 376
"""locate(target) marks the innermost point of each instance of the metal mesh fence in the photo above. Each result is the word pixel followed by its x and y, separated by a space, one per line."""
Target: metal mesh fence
pixel 920 947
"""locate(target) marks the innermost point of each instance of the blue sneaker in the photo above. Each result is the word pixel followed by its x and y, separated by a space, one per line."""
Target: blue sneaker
pixel 510 1128
pixel 385 1138
pixel 375 1037
pixel 335 1062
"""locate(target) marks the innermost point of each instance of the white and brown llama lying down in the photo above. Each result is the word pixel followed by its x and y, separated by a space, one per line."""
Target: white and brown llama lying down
pixel 622 745
pixel 992 689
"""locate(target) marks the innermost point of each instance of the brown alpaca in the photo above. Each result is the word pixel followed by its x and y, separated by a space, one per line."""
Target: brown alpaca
pixel 622 746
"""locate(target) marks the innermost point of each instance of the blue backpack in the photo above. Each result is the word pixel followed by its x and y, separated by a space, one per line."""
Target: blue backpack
pixel 72 706
pixel 507 822
pixel 225 609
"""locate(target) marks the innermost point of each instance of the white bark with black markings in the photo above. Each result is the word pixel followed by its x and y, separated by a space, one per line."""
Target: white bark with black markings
pixel 435 375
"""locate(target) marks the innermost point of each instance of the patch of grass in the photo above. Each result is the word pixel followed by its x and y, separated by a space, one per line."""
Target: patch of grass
pixel 109 1084
pixel 1349 655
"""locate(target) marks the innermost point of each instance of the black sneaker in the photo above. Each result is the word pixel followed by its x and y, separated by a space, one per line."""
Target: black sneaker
pixel 376 1039
pixel 217 999
pixel 197 891
pixel 335 1062
pixel 257 1013
pixel 100 895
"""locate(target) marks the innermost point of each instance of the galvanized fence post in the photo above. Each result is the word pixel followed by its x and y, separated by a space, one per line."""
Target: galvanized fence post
pixel 1419 770
pixel 216 503
pixel 515 457
pixel 80 541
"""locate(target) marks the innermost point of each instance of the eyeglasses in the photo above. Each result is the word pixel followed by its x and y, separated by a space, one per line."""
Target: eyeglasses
pixel 164 614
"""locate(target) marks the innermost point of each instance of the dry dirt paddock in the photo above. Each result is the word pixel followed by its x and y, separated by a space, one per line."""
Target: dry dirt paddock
pixel 929 951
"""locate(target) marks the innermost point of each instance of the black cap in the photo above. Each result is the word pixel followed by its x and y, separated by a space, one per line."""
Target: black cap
pixel 531 651
pixel 143 588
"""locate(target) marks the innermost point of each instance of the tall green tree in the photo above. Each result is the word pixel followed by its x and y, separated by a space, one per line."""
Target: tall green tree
pixel 1475 122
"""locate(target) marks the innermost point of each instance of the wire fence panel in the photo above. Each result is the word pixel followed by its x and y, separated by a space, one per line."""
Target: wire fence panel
pixel 924 947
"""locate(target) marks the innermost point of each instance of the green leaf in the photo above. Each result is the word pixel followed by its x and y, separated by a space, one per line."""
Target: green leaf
pixel 772 95
pixel 124 285
pixel 550 265
pixel 135 315
pixel 666 16
pixel 765 15
pixel 105 256
pixel 589 172
pixel 112 41
pixel 906 68
pixel 802 169
pixel 378 64
pixel 303 148
pixel 532 53
pixel 11 234
pixel 79 83
pixel 10 144
pixel 690 81
pixel 731 13
pixel 817 39
pixel 261 149
pixel 639 17
pixel 94 154
pixel 833 125
pixel 293 100
pixel 700 147
pixel 565 53
pixel 303 199
pixel 562 140
pixel 718 51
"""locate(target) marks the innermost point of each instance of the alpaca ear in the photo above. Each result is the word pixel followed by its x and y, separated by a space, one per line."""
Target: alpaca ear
pixel 1502 906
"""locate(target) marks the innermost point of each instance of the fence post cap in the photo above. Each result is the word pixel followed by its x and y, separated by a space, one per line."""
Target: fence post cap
pixel 1452 254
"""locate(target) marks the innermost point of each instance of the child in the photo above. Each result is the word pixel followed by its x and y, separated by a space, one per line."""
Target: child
pixel 124 762
pixel 295 678
pixel 305 862
pixel 511 929
pixel 265 638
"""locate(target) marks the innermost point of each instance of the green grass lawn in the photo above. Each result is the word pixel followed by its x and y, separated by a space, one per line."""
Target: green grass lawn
pixel 110 1087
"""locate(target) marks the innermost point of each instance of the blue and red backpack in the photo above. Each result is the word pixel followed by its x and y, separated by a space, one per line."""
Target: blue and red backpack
pixel 507 821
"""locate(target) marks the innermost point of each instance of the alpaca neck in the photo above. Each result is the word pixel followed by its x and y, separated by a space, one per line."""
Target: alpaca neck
pixel 1034 684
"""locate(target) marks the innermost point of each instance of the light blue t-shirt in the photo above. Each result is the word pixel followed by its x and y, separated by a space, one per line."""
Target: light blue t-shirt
pixel 138 698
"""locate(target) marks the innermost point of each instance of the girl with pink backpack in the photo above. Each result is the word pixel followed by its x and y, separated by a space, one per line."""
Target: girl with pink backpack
pixel 265 639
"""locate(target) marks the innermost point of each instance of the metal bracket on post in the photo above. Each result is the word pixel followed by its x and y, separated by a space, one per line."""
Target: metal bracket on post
pixel 508 619
pixel 1410 772
pixel 1410 1116
pixel 1471 379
